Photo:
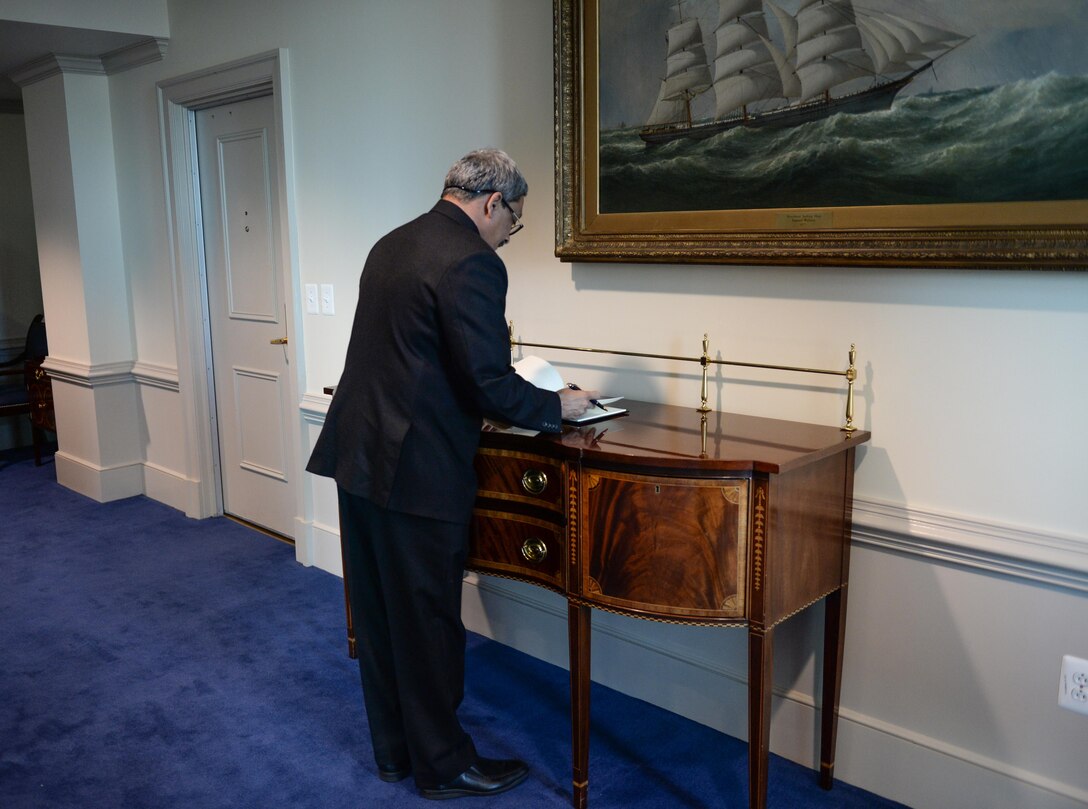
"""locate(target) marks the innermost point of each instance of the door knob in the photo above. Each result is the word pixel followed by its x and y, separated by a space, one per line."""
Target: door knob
pixel 279 341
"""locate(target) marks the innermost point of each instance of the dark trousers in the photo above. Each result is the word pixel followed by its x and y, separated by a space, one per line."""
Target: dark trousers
pixel 404 579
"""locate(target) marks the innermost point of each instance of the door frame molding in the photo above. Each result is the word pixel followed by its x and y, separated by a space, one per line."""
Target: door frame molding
pixel 178 100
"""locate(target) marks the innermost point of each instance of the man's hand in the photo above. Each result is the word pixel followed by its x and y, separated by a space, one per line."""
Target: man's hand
pixel 576 402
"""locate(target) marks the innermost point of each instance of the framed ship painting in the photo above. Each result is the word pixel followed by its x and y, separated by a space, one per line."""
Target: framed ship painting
pixel 928 133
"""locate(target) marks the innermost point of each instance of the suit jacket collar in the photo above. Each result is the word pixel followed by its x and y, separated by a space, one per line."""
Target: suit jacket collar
pixel 447 208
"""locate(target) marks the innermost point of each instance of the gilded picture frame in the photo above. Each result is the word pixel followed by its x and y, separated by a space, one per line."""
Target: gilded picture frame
pixel 1037 235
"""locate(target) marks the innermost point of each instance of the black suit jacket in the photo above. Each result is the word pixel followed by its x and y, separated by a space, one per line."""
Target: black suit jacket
pixel 428 358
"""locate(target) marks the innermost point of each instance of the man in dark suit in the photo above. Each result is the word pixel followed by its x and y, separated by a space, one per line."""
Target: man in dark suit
pixel 428 359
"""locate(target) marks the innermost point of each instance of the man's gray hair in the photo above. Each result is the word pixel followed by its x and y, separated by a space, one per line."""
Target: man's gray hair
pixel 485 170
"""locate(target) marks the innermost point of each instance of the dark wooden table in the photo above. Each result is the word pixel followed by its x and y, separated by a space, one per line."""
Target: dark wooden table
pixel 667 514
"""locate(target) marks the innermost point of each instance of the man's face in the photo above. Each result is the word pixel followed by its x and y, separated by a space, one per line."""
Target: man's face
pixel 500 217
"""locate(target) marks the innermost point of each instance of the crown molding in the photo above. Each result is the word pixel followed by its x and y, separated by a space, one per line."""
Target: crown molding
pixel 150 50
pixel 144 52
pixel 54 65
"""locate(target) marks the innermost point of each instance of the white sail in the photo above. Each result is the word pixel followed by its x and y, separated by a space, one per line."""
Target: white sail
pixel 735 92
pixel 687 73
pixel 730 10
pixel 683 35
pixel 686 84
pixel 666 110
pixel 787 74
pixel 884 47
pixel 820 77
pixel 746 69
pixel 825 15
pixel 693 60
pixel 929 34
pixel 754 55
pixel 828 44
pixel 829 47
pixel 788 23
pixel 738 33
pixel 899 45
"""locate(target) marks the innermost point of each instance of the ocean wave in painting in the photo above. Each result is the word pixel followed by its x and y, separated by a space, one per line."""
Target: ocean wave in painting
pixel 1024 141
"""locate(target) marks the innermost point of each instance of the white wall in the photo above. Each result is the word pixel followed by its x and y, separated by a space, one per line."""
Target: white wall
pixel 148 17
pixel 970 574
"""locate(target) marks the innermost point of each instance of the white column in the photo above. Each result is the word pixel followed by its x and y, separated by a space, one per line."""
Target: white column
pixel 84 287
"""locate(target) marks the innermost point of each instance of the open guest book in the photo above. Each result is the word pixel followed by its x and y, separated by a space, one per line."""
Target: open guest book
pixel 543 374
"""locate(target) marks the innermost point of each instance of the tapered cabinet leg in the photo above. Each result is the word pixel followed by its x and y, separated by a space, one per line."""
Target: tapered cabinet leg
pixel 578 634
pixel 834 635
pixel 760 671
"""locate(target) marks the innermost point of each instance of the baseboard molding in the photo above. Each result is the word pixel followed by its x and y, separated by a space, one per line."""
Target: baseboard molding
pixel 324 548
pixel 871 754
pixel 99 483
pixel 172 488
pixel 127 480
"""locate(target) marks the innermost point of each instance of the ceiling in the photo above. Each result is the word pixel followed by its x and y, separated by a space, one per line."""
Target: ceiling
pixel 23 42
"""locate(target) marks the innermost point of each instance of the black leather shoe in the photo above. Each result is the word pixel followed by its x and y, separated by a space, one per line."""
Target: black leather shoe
pixel 487 776
pixel 394 772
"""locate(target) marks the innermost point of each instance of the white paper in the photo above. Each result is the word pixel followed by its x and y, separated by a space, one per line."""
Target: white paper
pixel 540 372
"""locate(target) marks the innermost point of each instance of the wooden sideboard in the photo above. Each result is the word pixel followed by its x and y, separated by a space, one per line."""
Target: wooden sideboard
pixel 674 515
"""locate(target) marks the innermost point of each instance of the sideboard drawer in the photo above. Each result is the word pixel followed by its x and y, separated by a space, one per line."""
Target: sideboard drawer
pixel 517 546
pixel 520 478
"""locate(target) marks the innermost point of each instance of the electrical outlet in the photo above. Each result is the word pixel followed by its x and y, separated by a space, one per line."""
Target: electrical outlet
pixel 1073 686
pixel 311 299
pixel 327 307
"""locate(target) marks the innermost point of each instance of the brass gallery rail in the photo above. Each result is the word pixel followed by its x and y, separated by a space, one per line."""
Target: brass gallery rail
pixel 850 374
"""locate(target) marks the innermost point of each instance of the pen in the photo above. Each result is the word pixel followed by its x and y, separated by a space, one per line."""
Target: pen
pixel 593 402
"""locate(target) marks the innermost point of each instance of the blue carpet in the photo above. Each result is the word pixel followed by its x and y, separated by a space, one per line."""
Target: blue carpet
pixel 156 662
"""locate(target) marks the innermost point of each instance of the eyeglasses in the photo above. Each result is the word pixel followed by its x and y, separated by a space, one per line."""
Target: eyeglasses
pixel 516 225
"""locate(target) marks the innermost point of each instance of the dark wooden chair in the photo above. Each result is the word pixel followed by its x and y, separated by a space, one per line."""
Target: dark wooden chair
pixel 25 389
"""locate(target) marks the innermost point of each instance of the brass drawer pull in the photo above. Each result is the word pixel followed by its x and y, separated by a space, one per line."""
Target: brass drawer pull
pixel 534 481
pixel 534 550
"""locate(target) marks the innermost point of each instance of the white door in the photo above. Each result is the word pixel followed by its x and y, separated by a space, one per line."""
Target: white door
pixel 248 318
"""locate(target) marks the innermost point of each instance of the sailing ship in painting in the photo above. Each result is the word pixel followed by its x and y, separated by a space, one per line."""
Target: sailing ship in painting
pixel 827 45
